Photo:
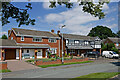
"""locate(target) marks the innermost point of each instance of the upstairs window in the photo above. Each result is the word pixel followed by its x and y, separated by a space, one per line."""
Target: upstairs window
pixel 22 38
pixel 37 39
pixel 52 40
pixel 76 41
pixel 27 51
pixel 11 38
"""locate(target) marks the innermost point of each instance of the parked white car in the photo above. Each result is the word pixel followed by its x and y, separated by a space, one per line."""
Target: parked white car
pixel 110 54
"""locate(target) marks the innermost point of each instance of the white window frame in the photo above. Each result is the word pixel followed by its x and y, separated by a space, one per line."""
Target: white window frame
pixel 50 39
pixel 77 41
pixel 53 50
pixel 22 38
pixel 37 38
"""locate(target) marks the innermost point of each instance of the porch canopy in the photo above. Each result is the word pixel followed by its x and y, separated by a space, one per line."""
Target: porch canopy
pixel 8 48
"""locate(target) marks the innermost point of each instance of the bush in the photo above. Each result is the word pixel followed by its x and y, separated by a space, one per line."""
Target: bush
pixel 65 54
pixel 56 56
pixel 115 50
pixel 71 56
pixel 49 55
pixel 52 59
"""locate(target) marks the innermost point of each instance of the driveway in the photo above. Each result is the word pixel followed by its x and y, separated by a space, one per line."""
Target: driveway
pixel 17 65
pixel 102 65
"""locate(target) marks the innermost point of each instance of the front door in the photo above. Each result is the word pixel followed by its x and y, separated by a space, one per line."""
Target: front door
pixel 39 53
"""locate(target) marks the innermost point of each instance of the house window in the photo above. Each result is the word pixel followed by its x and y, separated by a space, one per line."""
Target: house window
pixel 27 51
pixel 86 43
pixel 11 38
pixel 76 41
pixel 53 50
pixel 52 40
pixel 37 39
pixel 22 38
pixel 71 51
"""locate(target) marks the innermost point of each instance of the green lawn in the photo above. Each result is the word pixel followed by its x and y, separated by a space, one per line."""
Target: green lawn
pixel 5 70
pixel 53 65
pixel 96 76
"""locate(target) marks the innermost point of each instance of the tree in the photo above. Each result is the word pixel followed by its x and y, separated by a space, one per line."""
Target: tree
pixel 22 17
pixel 88 6
pixel 102 32
pixel 118 33
pixel 109 47
pixel 4 37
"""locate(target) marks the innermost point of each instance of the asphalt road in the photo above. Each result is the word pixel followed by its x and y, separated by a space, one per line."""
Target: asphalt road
pixel 67 71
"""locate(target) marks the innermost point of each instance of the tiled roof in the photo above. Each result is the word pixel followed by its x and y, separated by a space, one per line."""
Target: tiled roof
pixel 114 39
pixel 34 33
pixel 80 37
pixel 11 43
pixel 7 42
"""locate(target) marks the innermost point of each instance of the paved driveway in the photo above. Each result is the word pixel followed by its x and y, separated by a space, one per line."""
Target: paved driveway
pixel 17 65
pixel 66 71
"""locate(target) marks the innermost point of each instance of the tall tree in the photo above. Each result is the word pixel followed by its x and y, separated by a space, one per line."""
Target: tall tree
pixel 102 32
pixel 22 17
pixel 118 33
pixel 4 37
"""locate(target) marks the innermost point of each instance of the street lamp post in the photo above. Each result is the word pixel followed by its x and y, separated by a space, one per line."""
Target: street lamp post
pixel 62 45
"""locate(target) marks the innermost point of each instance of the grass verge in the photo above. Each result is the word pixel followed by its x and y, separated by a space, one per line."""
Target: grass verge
pixel 53 65
pixel 4 71
pixel 97 76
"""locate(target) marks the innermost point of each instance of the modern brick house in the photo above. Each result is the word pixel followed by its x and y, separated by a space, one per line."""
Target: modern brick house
pixel 23 42
pixel 116 42
pixel 37 44
pixel 79 44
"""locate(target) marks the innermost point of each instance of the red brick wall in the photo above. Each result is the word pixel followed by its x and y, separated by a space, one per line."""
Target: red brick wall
pixel 29 40
pixel 3 65
pixel 12 35
pixel 59 61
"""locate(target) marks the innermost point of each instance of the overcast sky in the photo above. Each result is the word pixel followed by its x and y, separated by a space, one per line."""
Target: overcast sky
pixel 76 21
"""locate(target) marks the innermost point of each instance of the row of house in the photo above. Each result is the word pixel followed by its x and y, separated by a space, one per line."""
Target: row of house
pixel 39 44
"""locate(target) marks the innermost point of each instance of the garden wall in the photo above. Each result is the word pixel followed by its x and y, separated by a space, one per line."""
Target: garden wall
pixel 3 65
pixel 40 62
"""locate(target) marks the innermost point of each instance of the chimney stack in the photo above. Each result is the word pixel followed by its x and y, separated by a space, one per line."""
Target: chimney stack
pixel 58 32
pixel 52 31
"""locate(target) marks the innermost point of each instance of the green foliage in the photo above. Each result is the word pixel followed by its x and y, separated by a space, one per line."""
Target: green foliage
pixel 54 65
pixel 65 54
pixel 20 15
pixel 115 49
pixel 4 71
pixel 49 55
pixel 4 37
pixel 56 56
pixel 109 47
pixel 118 33
pixel 52 59
pixel 71 56
pixel 89 7
pixel 97 76
pixel 102 32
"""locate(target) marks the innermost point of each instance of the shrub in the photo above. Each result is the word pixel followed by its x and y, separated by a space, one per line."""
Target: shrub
pixel 69 54
pixel 49 55
pixel 65 54
pixel 52 59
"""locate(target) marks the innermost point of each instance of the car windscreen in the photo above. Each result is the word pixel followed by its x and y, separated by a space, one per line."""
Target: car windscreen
pixel 114 53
